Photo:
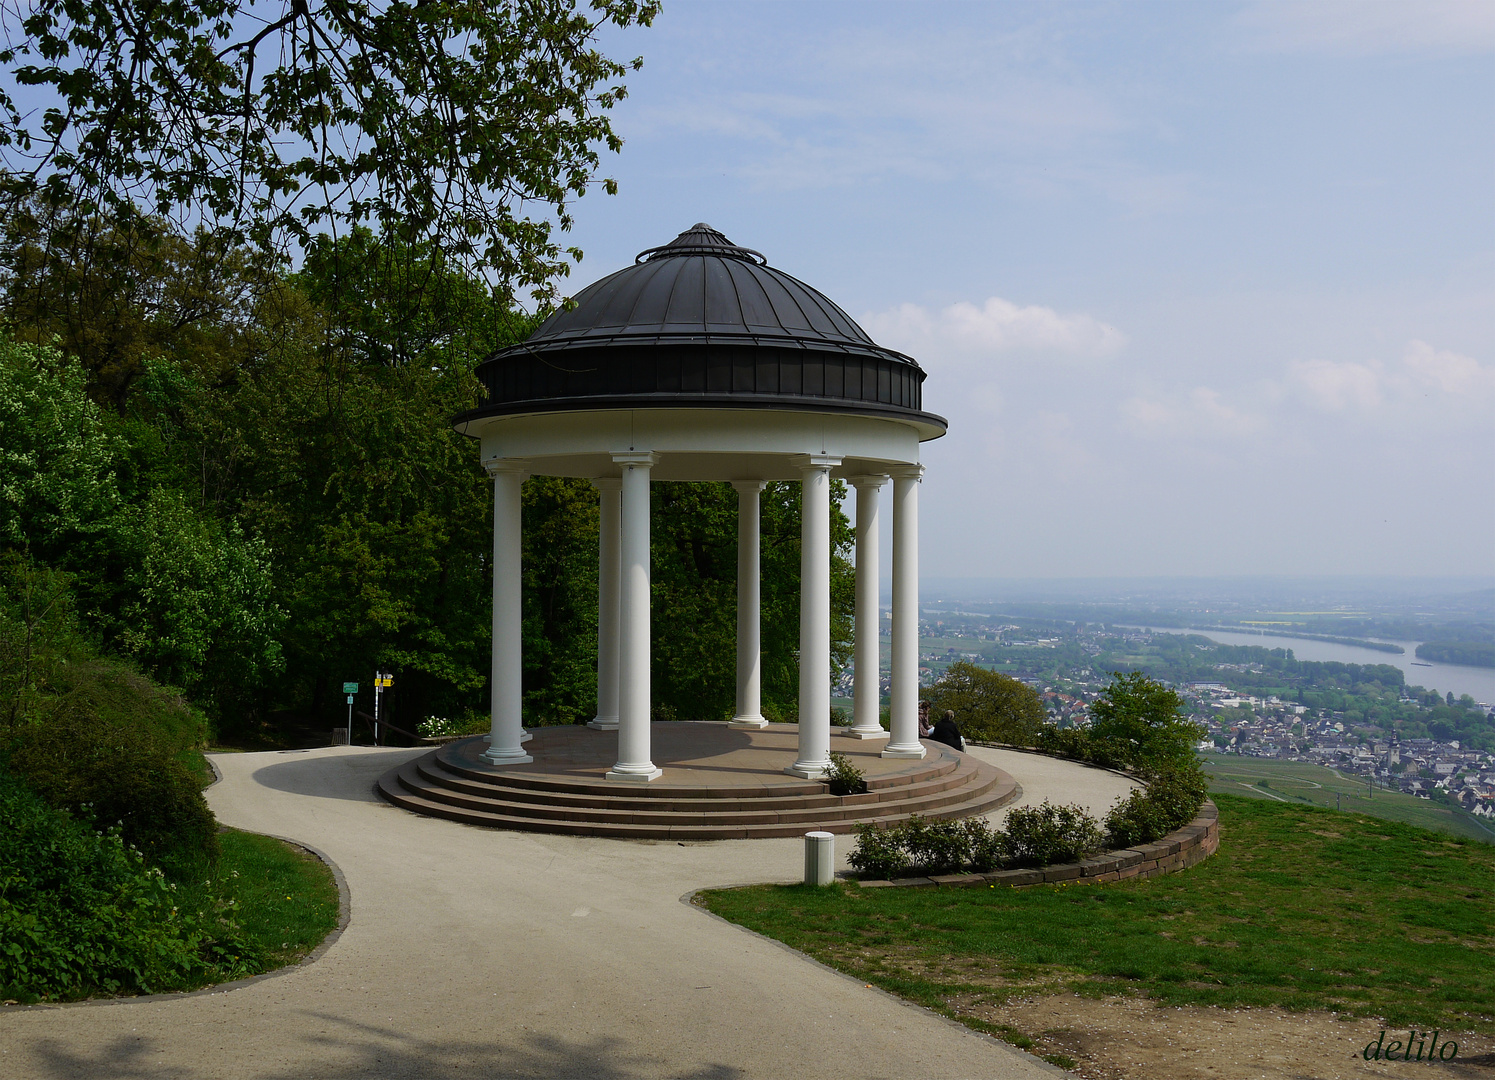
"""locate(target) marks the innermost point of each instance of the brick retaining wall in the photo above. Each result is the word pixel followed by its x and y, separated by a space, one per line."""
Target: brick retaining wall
pixel 1179 850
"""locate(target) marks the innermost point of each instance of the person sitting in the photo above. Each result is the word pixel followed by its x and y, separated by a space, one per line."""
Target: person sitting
pixel 924 726
pixel 946 732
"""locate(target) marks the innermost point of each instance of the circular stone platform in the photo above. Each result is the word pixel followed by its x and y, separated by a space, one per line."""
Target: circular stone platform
pixel 719 783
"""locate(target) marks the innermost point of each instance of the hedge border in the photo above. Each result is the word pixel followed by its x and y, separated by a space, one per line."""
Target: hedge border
pixel 1182 848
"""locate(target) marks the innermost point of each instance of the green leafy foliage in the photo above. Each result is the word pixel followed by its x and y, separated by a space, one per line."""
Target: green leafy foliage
pixel 57 475
pixel 879 853
pixel 437 123
pixel 1145 718
pixel 844 778
pixel 123 776
pixel 942 847
pixel 1080 744
pixel 987 704
pixel 185 595
pixel 1171 800
pixel 1032 836
pixel 83 914
pixel 1046 834
pixel 50 671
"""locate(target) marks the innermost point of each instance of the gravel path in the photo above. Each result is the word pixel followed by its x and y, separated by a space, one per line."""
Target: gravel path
pixel 481 953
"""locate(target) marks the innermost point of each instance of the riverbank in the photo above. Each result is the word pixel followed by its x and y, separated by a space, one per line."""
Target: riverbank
pixel 1478 683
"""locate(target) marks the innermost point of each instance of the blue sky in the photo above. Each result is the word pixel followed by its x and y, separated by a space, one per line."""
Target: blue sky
pixel 1202 288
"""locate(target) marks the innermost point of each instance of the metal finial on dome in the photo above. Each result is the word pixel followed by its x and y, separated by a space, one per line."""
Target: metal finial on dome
pixel 701 239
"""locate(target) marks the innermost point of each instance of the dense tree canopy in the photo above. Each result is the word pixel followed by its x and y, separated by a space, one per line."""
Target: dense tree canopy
pixel 443 125
pixel 1145 718
pixel 276 502
pixel 987 704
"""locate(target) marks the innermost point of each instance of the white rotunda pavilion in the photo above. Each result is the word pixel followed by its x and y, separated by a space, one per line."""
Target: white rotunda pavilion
pixel 701 362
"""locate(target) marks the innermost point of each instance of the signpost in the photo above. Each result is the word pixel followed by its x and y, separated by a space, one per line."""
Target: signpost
pixel 350 688
pixel 382 681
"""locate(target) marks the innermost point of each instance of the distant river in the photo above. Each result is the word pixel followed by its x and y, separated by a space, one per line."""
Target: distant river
pixel 1478 683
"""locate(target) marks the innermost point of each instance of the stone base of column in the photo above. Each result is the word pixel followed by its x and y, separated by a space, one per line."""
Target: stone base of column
pixel 915 751
pixel 630 776
pixel 526 736
pixel 600 724
pixel 505 757
pixel 748 722
pixel 809 770
pixel 854 733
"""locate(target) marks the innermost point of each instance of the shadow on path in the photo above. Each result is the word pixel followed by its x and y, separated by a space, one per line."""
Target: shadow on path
pixel 362 1051
pixel 346 776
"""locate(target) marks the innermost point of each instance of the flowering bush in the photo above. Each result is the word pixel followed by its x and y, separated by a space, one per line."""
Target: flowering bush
pixel 442 727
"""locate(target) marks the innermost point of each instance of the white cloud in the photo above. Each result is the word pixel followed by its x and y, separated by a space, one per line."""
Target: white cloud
pixel 996 326
pixel 1450 372
pixel 1335 386
pixel 1346 385
pixel 1200 412
pixel 1366 27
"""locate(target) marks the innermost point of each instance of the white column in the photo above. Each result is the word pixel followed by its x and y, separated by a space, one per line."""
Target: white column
pixel 609 568
pixel 749 612
pixel 904 740
pixel 866 698
pixel 814 617
pixel 633 624
pixel 507 731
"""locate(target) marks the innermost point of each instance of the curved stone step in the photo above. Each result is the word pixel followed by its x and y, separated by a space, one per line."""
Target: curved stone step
pixel 461 759
pixel 673 831
pixel 613 798
pixel 564 790
pixel 971 784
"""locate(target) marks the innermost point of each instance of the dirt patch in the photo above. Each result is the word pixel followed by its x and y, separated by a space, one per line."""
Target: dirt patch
pixel 1126 1038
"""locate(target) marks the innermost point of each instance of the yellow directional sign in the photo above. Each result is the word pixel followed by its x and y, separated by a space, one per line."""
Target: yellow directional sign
pixel 387 681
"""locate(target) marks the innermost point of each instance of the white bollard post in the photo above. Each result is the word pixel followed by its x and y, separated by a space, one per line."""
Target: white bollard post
pixel 820 858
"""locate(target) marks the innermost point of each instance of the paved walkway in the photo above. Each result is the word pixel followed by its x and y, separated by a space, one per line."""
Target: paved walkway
pixel 476 953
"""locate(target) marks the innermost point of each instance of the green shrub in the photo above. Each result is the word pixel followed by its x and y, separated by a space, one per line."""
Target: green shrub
pixel 1035 836
pixel 844 778
pixel 81 914
pixel 123 775
pixel 936 847
pixel 987 847
pixel 878 853
pixel 1046 834
pixel 1135 820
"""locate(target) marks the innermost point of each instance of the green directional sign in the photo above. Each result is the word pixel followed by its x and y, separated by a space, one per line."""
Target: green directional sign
pixel 350 688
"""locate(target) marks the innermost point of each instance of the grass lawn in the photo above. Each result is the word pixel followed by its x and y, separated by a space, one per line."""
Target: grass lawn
pixel 1301 908
pixel 1304 782
pixel 284 898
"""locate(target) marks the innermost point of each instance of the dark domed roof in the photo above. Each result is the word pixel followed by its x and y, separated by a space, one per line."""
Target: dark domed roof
pixel 701 283
pixel 701 321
